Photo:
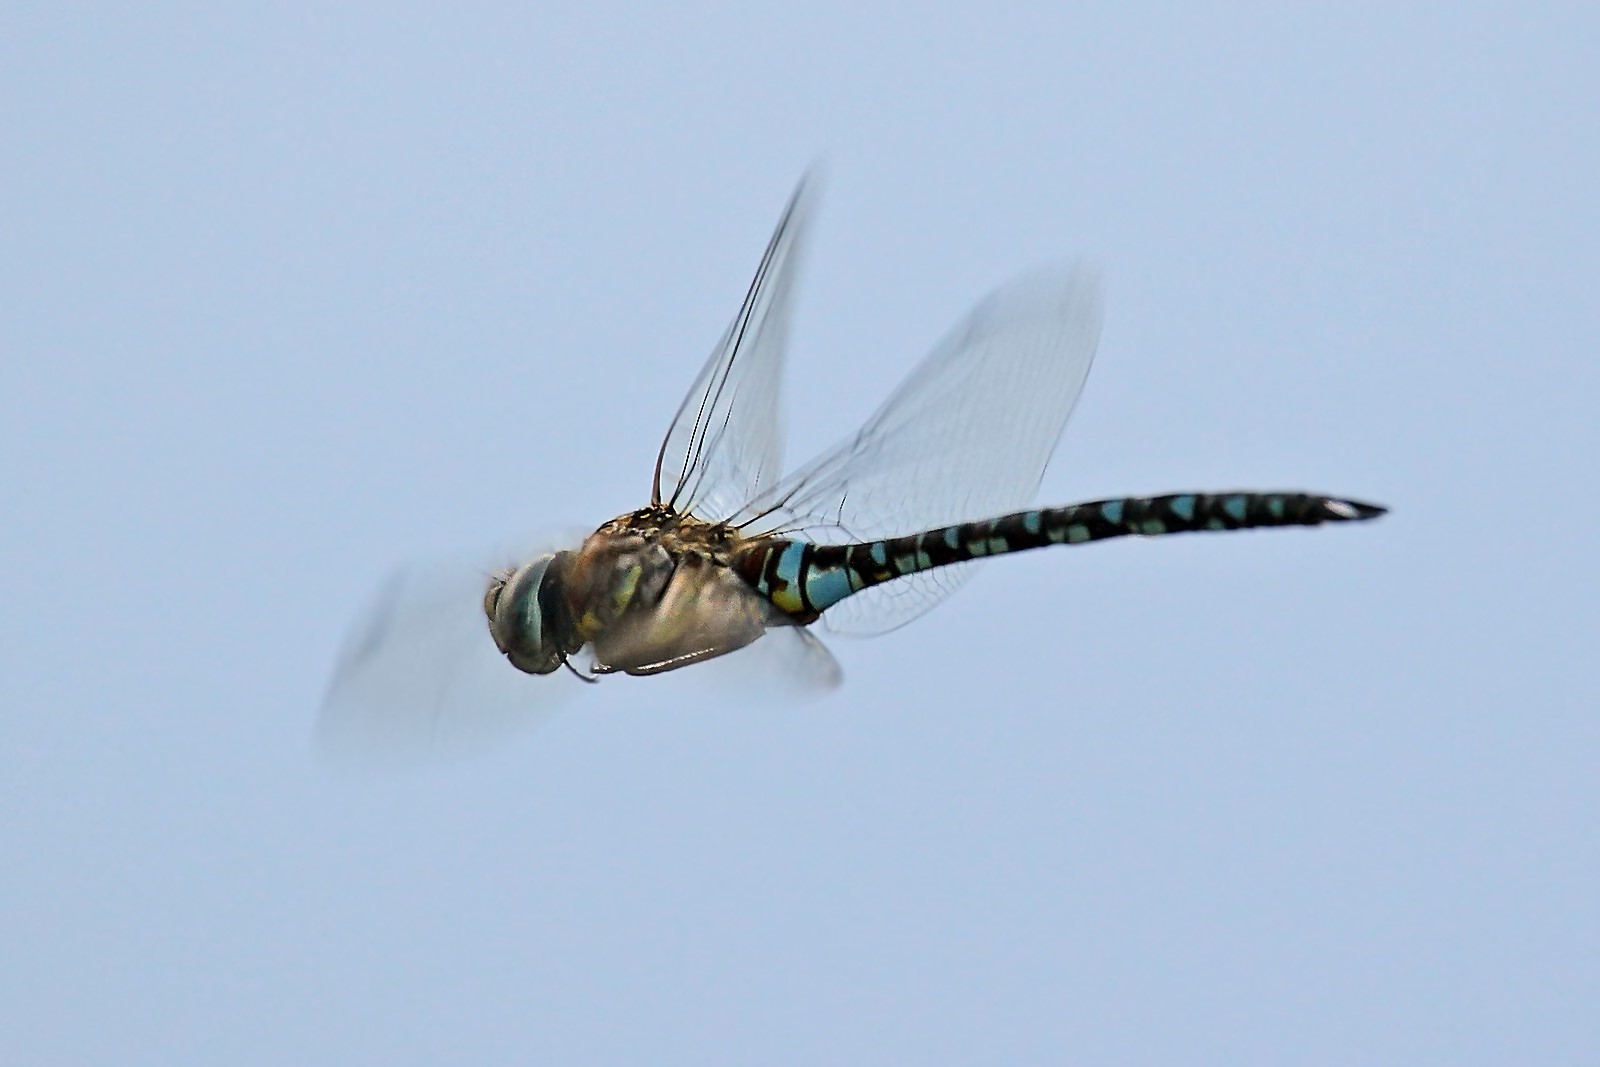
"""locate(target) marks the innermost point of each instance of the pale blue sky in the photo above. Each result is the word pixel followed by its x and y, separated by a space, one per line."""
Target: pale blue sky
pixel 293 295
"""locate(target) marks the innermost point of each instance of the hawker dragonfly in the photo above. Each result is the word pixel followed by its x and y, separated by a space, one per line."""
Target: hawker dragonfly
pixel 731 551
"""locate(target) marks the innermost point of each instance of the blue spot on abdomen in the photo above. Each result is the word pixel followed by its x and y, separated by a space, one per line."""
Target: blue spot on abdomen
pixel 825 588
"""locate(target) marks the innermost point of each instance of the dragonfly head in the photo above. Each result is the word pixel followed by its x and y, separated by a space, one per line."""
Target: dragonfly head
pixel 519 606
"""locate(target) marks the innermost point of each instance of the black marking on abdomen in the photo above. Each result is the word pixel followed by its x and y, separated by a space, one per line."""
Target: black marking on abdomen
pixel 827 574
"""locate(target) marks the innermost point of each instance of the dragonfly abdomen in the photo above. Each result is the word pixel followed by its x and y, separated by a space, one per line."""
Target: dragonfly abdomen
pixel 805 580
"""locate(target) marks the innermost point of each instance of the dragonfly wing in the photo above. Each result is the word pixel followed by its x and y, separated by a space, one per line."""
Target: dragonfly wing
pixel 726 442
pixel 786 665
pixel 418 677
pixel 793 656
pixel 966 436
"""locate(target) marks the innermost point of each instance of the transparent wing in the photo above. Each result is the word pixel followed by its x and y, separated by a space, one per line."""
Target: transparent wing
pixel 419 678
pixel 787 665
pixel 789 659
pixel 726 441
pixel 967 436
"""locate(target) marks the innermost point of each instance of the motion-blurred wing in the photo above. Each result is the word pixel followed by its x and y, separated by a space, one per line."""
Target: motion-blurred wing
pixel 419 677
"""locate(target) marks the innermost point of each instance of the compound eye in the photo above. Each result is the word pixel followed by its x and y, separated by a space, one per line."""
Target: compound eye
pixel 516 621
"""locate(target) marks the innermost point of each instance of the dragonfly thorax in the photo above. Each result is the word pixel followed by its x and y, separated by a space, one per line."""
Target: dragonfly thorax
pixel 612 576
pixel 648 591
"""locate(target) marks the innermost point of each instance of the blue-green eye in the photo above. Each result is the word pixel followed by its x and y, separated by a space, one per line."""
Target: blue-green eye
pixel 516 621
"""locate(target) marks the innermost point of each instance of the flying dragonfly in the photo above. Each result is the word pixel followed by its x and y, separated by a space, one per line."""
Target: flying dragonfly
pixel 731 550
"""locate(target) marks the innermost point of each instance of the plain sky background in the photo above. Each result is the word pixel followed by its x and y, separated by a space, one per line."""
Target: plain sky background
pixel 291 294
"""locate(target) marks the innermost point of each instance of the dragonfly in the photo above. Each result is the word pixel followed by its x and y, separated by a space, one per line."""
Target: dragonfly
pixel 731 550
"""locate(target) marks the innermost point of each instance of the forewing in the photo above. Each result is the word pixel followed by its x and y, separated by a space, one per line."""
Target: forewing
pixel 419 678
pixel 726 441
pixel 966 436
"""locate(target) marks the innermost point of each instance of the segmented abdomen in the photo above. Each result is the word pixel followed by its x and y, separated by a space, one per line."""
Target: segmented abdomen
pixel 804 580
